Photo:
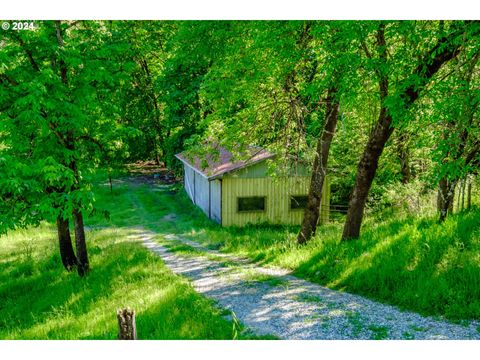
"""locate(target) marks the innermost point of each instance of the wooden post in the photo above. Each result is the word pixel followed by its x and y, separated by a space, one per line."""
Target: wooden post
pixel 127 329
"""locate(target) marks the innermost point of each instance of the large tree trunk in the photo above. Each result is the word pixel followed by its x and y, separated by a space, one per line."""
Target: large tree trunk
pixel 446 194
pixel 80 243
pixel 69 259
pixel 319 171
pixel 367 168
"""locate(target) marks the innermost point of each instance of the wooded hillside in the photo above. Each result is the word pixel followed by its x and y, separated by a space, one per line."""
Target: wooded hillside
pixel 390 109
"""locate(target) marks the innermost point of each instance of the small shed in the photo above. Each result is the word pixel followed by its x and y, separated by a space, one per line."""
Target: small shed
pixel 239 192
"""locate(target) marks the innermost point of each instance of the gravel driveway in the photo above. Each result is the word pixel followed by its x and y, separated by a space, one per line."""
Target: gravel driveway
pixel 272 302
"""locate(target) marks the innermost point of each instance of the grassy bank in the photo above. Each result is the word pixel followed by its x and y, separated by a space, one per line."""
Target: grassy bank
pixel 40 300
pixel 414 263
pixel 417 264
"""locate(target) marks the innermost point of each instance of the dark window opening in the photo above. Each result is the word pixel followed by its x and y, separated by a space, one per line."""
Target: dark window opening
pixel 298 202
pixel 256 203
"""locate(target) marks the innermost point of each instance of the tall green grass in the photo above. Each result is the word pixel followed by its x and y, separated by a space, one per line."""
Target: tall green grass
pixel 412 262
pixel 40 300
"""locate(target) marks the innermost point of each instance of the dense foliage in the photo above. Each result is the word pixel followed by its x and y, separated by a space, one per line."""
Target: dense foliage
pixel 78 95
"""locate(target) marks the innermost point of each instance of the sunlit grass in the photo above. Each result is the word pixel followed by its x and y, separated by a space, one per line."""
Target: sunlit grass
pixel 414 263
pixel 40 300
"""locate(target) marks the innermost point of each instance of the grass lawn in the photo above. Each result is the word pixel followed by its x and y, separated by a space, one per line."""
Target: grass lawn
pixel 40 300
pixel 414 263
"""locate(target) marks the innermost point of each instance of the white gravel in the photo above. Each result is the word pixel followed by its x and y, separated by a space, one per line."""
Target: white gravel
pixel 292 308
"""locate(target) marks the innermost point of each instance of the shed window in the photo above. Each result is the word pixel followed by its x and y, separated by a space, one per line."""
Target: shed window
pixel 256 203
pixel 298 202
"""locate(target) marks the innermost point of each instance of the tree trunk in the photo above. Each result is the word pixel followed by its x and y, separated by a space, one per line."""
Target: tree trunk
pixel 367 168
pixel 446 194
pixel 127 328
pixel 464 183
pixel 442 52
pixel 69 259
pixel 450 205
pixel 319 171
pixel 459 197
pixel 80 243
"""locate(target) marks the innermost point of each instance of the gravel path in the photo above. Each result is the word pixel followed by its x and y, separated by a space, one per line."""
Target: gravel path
pixel 272 302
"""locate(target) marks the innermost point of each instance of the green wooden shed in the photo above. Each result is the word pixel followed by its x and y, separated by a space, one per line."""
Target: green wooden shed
pixel 238 192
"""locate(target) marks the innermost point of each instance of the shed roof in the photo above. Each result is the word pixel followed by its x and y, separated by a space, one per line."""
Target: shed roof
pixel 214 165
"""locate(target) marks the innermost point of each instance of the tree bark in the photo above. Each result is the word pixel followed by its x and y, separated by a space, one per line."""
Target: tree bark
pixel 69 259
pixel 446 194
pixel 459 194
pixel 127 328
pixel 367 168
pixel 368 164
pixel 81 246
pixel 450 205
pixel 319 171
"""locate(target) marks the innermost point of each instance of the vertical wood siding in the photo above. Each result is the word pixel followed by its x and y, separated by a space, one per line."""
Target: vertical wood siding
pixel 206 195
pixel 218 198
pixel 216 201
pixel 188 180
pixel 277 192
pixel 260 170
pixel 201 193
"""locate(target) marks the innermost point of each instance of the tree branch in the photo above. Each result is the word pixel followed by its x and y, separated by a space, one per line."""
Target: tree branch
pixel 27 52
pixel 443 51
pixel 8 79
pixel 93 141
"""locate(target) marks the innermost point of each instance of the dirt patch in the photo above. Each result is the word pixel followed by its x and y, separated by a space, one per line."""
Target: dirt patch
pixel 149 172
pixel 146 167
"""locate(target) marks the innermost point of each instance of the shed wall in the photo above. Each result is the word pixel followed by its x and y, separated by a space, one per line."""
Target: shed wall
pixel 277 192
pixel 201 193
pixel 188 180
pixel 216 201
pixel 261 170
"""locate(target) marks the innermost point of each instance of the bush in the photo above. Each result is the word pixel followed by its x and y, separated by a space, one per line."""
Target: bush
pixel 404 199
